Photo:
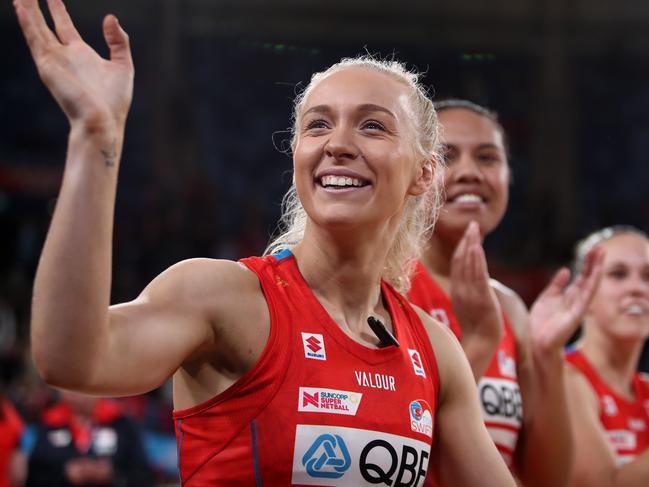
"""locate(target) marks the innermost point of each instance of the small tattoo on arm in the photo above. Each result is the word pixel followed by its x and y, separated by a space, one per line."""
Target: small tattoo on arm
pixel 110 154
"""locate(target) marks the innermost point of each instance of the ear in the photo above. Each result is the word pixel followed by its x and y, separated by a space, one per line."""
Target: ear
pixel 423 179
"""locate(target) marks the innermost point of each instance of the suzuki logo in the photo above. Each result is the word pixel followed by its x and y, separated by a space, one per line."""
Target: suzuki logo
pixel 313 344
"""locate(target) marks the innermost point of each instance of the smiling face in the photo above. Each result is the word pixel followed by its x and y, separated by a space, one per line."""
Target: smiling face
pixel 354 156
pixel 620 307
pixel 477 173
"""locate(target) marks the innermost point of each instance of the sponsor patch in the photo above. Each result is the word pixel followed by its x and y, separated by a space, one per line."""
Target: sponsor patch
pixel 314 346
pixel 500 401
pixel 421 418
pixel 417 363
pixel 506 365
pixel 318 400
pixel 609 405
pixel 337 456
pixel 440 315
pixel 637 424
pixel 622 439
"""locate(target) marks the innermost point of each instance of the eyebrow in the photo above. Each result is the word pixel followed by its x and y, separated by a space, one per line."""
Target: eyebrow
pixel 365 107
pixel 481 146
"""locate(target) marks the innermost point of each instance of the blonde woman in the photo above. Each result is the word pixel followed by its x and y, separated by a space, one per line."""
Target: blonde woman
pixel 278 377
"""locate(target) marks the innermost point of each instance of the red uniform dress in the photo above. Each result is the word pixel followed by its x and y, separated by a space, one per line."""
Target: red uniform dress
pixel 318 408
pixel 11 429
pixel 498 389
pixel 626 422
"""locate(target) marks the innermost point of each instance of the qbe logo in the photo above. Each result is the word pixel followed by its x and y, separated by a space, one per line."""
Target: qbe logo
pixel 327 458
pixel 314 346
pixel 337 456
pixel 501 401
pixel 416 363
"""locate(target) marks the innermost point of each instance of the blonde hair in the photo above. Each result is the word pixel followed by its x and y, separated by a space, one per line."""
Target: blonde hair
pixel 420 211
pixel 584 246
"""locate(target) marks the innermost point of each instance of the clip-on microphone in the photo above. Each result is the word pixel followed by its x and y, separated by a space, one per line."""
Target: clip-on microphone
pixel 385 337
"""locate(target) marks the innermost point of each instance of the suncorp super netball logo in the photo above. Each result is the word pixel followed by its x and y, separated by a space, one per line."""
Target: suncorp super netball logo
pixel 317 400
pixel 421 419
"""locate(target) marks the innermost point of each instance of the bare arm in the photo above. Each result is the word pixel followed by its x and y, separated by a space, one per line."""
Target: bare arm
pixel 595 460
pixel 463 453
pixel 545 451
pixel 78 343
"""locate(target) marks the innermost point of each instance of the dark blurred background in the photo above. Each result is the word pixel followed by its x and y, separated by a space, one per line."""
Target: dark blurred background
pixel 202 174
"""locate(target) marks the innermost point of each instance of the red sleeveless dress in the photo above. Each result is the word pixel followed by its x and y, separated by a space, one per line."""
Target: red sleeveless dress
pixel 318 408
pixel 626 422
pixel 498 389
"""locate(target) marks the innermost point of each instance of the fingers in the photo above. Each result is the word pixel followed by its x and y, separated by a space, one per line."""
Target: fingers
pixel 65 30
pixel 559 280
pixel 469 263
pixel 117 41
pixel 32 23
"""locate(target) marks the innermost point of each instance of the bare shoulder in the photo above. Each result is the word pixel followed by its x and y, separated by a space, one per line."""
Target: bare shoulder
pixel 514 308
pixel 207 284
pixel 209 296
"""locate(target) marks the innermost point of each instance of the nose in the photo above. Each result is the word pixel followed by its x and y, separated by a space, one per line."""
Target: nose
pixel 341 144
pixel 465 169
pixel 639 286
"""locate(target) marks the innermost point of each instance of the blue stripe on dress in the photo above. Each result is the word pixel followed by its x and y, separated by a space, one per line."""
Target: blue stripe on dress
pixel 255 453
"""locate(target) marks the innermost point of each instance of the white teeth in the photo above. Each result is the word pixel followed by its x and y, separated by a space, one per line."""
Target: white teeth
pixel 468 198
pixel 634 309
pixel 340 181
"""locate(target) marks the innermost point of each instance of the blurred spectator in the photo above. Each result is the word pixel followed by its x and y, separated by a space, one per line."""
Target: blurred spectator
pixel 12 461
pixel 82 440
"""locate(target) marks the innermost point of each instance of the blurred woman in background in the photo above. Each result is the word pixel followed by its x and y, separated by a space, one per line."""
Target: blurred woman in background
pixel 609 398
pixel 516 355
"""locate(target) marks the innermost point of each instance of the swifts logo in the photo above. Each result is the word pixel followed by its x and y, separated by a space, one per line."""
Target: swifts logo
pixel 506 365
pixel 421 419
pixel 316 400
pixel 416 363
pixel 314 346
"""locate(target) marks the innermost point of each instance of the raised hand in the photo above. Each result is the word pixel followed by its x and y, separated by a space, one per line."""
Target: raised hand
pixel 559 309
pixel 475 303
pixel 94 93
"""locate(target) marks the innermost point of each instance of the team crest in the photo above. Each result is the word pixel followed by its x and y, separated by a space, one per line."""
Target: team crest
pixel 506 365
pixel 421 418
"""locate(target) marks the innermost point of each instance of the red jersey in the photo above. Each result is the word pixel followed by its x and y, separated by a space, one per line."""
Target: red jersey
pixel 318 408
pixel 626 422
pixel 11 429
pixel 498 389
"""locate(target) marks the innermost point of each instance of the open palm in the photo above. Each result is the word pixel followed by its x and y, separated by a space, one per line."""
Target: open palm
pixel 559 309
pixel 91 90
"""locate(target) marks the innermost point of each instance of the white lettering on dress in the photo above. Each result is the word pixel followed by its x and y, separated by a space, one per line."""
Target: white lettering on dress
pixel 375 381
